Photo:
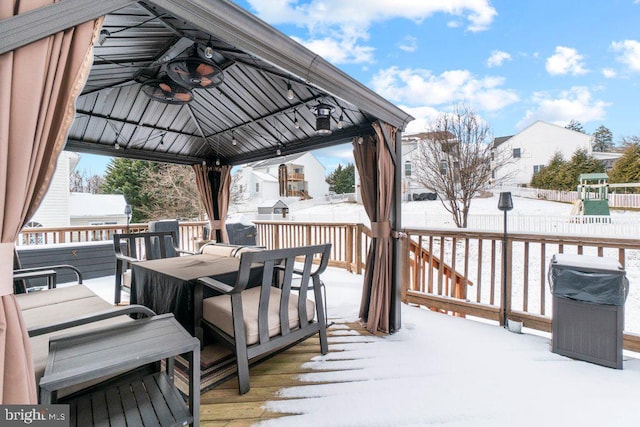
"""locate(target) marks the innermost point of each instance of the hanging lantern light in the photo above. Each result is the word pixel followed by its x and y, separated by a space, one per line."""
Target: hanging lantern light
pixel 323 118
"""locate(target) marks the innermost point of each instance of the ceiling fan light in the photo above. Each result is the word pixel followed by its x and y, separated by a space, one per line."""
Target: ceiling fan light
pixel 208 52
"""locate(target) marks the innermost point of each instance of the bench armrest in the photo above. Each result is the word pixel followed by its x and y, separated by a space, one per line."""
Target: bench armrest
pixel 94 317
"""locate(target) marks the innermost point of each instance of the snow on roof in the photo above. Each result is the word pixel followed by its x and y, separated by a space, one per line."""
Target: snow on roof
pixel 272 204
pixel 87 204
pixel 277 160
pixel 265 177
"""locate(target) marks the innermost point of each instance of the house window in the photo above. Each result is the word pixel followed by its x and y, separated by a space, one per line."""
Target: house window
pixel 407 169
pixel 257 187
pixel 537 168
pixel 516 153
pixel 34 238
pixel 443 167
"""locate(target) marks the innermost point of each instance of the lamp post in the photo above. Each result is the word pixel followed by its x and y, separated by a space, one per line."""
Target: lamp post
pixel 505 204
pixel 127 212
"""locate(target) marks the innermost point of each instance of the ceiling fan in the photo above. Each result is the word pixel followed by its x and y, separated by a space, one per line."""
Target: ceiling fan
pixel 195 72
pixel 167 91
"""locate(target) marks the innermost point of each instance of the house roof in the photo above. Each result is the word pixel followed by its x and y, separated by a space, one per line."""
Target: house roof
pixel 251 105
pixel 96 205
pixel 500 140
pixel 277 160
pixel 265 177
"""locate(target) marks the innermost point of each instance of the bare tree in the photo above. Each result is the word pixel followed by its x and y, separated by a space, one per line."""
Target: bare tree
pixel 171 192
pixel 237 189
pixel 456 160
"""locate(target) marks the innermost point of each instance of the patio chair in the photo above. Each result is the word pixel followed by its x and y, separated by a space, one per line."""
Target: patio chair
pixel 135 247
pixel 26 279
pixel 263 319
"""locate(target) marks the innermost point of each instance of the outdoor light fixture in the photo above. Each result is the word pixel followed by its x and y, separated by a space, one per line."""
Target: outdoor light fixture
pixel 296 123
pixel 340 120
pixel 505 204
pixel 278 152
pixel 289 91
pixel 127 212
pixel 233 138
pixel 116 146
pixel 208 51
pixel 217 162
pixel 323 118
pixel 103 36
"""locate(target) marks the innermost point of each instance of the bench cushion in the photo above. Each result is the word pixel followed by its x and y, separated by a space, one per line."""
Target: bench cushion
pixel 56 305
pixel 54 296
pixel 217 311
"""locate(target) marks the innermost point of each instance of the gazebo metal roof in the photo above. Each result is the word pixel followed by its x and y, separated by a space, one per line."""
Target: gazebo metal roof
pixel 250 106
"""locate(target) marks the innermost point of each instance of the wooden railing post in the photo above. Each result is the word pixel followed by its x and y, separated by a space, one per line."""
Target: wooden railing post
pixel 358 248
pixel 405 265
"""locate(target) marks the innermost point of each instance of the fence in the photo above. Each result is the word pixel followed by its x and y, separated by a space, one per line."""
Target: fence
pixel 616 199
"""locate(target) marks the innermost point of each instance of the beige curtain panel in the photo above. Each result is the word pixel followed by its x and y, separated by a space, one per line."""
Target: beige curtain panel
pixel 39 83
pixel 376 170
pixel 206 181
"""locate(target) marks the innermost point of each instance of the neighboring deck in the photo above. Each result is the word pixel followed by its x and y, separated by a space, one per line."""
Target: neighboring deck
pixel 224 406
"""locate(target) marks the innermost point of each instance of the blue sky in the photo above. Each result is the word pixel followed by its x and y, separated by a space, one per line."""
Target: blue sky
pixel 514 62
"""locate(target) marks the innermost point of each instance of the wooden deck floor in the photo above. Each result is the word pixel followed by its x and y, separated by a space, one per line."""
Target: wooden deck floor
pixel 223 406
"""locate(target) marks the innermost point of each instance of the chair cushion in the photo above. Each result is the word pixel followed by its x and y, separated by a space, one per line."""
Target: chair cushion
pixel 217 311
pixel 220 250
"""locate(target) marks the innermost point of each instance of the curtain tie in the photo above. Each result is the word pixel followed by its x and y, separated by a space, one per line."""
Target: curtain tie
pixel 380 229
pixel 217 224
pixel 6 268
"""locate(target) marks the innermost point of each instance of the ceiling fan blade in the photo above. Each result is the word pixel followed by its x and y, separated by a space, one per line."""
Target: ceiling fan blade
pixel 182 96
pixel 204 69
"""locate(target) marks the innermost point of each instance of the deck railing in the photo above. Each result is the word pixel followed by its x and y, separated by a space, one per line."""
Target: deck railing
pixel 477 257
pixel 190 233
pixel 449 270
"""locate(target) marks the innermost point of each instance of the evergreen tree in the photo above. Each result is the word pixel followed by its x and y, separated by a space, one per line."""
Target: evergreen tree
pixel 342 179
pixel 125 176
pixel 559 174
pixel 602 139
pixel 627 168
pixel 552 175
pixel 575 125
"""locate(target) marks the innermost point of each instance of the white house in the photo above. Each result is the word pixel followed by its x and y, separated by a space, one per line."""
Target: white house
pixel 61 208
pixel 531 149
pixel 411 189
pixel 305 177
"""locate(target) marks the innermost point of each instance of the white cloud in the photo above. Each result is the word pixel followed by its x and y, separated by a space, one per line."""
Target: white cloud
pixel 348 21
pixel 575 103
pixel 315 13
pixel 424 116
pixel 566 60
pixel 497 58
pixel 609 73
pixel 420 87
pixel 629 51
pixel 409 44
pixel 340 50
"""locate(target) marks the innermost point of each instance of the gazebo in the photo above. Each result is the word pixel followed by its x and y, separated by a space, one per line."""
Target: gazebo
pixel 193 82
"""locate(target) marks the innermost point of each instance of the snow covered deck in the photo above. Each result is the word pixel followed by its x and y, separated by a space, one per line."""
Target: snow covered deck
pixel 437 370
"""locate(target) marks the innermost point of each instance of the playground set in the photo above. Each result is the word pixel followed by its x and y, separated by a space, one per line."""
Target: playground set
pixel 593 194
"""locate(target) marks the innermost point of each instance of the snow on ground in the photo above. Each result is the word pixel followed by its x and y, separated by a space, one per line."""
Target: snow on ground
pixel 442 370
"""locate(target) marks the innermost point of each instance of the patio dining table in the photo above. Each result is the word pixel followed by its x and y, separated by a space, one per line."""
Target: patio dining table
pixel 167 285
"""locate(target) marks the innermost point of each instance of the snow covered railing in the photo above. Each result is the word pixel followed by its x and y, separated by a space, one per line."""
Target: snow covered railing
pixel 190 233
pixel 477 257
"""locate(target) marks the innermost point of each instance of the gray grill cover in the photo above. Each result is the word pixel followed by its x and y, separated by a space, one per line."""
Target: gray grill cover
pixel 592 279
